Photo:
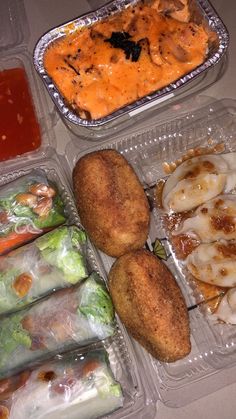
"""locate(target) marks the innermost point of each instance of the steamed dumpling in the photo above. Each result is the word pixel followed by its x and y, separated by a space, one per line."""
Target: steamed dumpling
pixel 214 220
pixel 188 194
pixel 214 263
pixel 198 180
pixel 226 310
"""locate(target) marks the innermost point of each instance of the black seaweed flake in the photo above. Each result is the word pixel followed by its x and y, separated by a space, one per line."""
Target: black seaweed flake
pixel 89 69
pixel 122 40
pixel 72 67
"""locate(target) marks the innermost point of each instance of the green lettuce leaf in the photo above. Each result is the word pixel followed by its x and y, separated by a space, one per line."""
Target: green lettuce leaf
pixel 78 237
pixel 96 303
pixel 54 218
pixel 12 335
pixel 52 240
pixel 7 296
pixel 61 248
pixel 72 265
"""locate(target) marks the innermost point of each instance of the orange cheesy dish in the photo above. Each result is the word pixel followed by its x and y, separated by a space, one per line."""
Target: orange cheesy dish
pixel 103 67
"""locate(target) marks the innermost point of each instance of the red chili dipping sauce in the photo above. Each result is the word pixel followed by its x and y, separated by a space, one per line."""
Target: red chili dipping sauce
pixel 19 128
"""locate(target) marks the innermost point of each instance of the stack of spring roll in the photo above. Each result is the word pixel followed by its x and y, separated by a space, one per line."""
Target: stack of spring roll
pixel 50 305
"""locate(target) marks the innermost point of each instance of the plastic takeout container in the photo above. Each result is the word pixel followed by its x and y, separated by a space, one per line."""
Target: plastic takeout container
pixel 138 394
pixel 18 57
pixel 213 345
pixel 14 36
pixel 139 109
pixel 133 375
pixel 70 383
pixel 13 24
pixel 212 361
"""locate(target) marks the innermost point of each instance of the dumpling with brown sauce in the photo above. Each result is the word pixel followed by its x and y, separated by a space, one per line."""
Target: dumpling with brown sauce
pixel 198 180
pixel 212 221
pixel 214 263
pixel 226 310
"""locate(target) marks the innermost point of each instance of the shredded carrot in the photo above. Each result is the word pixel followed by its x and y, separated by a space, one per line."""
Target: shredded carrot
pixel 13 240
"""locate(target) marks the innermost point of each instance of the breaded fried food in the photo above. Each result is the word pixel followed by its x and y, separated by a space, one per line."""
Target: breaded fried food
pixel 111 202
pixel 151 305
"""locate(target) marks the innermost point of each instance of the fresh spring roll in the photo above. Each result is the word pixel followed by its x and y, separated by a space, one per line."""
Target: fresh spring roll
pixel 70 318
pixel 76 386
pixel 55 260
pixel 29 206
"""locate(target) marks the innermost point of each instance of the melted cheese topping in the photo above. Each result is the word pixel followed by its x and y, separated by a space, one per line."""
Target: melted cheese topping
pixel 96 78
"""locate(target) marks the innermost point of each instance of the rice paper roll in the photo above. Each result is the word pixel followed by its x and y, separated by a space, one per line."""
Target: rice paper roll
pixel 68 319
pixel 75 386
pixel 29 206
pixel 55 260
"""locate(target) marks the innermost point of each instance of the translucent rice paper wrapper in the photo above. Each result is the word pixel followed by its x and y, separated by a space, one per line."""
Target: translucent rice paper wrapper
pixel 55 260
pixel 139 394
pixel 69 319
pixel 29 206
pixel 74 386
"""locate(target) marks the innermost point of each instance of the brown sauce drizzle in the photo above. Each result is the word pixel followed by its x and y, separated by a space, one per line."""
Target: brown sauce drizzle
pixel 183 244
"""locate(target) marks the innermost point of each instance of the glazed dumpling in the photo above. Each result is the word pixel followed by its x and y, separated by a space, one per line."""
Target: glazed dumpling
pixel 197 180
pixel 214 220
pixel 226 310
pixel 214 263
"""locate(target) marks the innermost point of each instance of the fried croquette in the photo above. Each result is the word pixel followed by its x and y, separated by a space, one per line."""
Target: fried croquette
pixel 151 305
pixel 111 202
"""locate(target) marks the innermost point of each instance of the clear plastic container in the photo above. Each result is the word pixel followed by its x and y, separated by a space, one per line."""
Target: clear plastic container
pixel 13 24
pixel 143 379
pixel 18 57
pixel 213 345
pixel 139 396
pixel 14 36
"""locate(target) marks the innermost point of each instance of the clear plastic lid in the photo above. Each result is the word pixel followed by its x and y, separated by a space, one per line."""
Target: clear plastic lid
pixel 132 373
pixel 13 24
pixel 213 344
pixel 19 58
pixel 14 55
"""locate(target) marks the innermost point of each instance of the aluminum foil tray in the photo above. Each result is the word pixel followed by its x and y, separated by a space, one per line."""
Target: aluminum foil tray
pixel 201 10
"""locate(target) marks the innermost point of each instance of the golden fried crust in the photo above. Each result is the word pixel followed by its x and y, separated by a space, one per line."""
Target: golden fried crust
pixel 150 304
pixel 111 202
